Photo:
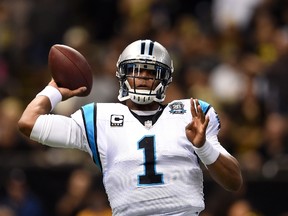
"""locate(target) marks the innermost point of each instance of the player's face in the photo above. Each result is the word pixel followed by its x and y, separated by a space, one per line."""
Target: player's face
pixel 144 79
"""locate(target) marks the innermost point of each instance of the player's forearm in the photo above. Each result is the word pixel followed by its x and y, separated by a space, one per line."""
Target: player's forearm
pixel 38 106
pixel 226 171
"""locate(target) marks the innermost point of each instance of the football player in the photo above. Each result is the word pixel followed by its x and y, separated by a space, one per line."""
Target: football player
pixel 148 152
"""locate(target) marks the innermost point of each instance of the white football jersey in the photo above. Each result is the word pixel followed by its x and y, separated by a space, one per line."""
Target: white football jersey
pixel 149 166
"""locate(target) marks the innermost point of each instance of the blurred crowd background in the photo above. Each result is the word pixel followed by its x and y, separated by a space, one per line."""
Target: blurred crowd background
pixel 231 53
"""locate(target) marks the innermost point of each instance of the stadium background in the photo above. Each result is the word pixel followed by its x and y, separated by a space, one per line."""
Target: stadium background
pixel 233 54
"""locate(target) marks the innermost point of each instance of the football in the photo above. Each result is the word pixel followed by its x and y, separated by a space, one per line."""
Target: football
pixel 69 68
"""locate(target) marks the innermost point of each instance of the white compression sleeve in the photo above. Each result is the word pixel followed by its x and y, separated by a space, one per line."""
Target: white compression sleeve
pixel 58 131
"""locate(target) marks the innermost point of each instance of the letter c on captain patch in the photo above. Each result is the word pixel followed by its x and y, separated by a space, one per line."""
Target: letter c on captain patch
pixel 116 120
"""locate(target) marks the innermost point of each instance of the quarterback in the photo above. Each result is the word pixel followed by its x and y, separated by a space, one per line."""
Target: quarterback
pixel 148 152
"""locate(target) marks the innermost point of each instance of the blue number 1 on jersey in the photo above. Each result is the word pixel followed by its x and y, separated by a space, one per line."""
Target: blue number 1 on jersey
pixel 150 176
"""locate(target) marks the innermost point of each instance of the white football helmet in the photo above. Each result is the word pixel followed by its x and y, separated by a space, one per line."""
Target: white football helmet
pixel 144 54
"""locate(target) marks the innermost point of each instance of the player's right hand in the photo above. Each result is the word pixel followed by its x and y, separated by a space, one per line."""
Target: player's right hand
pixel 67 93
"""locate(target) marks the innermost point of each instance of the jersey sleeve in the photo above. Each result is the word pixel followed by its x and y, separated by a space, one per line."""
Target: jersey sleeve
pixel 214 123
pixel 213 127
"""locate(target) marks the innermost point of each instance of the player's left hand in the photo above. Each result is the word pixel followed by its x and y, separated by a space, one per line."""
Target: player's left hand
pixel 196 129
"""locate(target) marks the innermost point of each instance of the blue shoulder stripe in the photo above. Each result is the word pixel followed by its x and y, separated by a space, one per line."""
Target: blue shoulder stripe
pixel 89 116
pixel 204 106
